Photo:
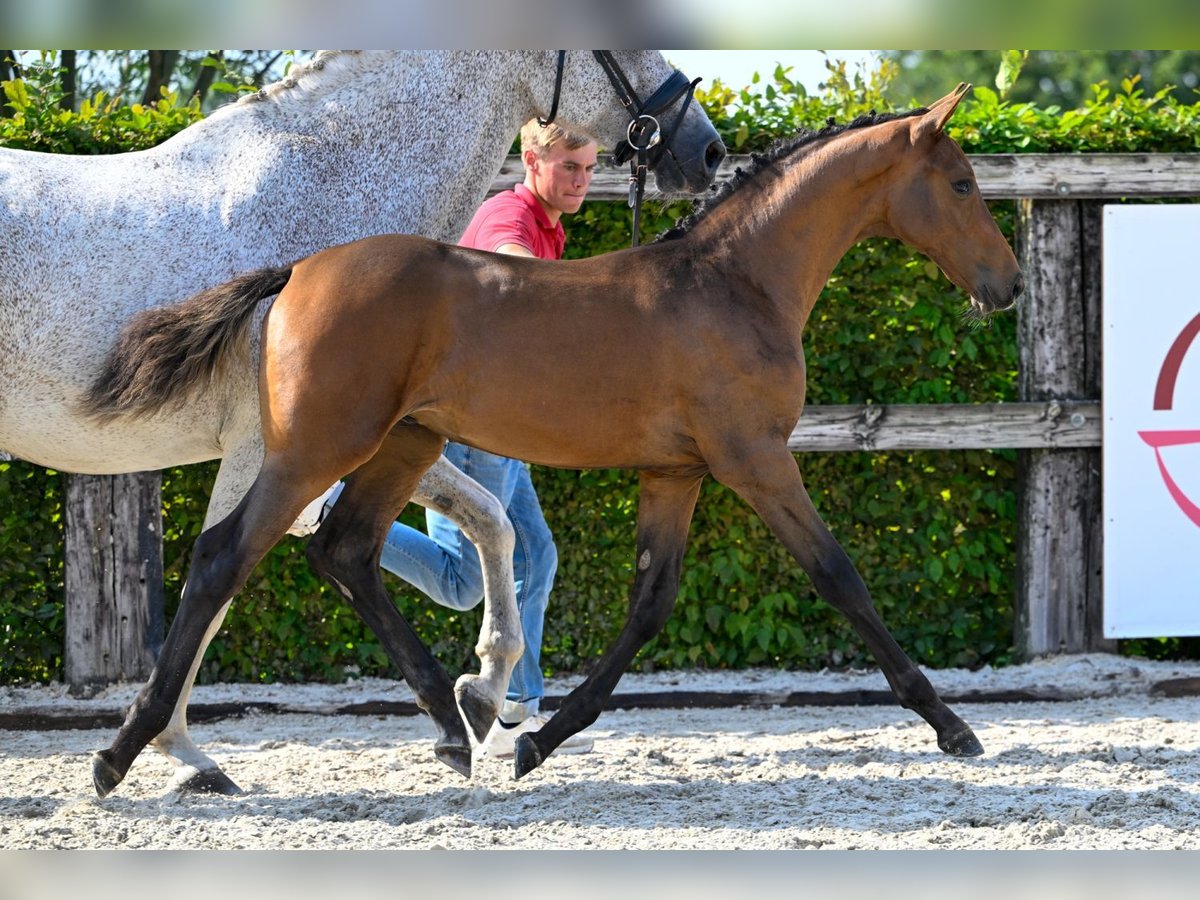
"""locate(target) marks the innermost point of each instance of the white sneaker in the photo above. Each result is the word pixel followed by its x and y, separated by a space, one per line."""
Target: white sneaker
pixel 500 741
pixel 311 516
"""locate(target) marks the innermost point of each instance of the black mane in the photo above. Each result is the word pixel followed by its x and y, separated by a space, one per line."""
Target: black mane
pixel 759 162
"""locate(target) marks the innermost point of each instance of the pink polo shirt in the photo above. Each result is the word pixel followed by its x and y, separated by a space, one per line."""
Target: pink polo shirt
pixel 515 217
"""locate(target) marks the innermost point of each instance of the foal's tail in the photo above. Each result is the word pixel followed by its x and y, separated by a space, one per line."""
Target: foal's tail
pixel 165 352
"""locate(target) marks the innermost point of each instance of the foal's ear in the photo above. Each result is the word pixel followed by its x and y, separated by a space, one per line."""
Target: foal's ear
pixel 933 121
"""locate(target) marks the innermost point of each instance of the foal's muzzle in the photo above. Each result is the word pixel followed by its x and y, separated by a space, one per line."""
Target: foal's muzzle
pixel 988 300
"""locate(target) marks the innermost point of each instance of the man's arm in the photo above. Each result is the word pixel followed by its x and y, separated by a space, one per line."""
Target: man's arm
pixel 514 250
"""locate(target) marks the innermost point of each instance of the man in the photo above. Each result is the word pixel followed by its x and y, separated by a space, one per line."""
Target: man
pixel 443 564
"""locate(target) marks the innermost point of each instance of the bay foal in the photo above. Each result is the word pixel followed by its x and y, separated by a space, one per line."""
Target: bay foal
pixel 680 359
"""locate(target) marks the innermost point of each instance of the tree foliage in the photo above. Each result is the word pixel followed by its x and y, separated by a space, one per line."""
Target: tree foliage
pixel 211 78
pixel 1049 78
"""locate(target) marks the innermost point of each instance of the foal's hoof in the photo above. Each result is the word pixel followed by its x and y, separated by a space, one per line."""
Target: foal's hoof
pixel 456 756
pixel 104 774
pixel 477 706
pixel 209 781
pixel 961 743
pixel 526 756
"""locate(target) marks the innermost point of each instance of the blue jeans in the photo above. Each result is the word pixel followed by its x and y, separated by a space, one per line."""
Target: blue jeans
pixel 445 565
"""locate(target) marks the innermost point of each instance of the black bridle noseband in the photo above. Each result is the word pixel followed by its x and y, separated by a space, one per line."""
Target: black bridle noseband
pixel 645 142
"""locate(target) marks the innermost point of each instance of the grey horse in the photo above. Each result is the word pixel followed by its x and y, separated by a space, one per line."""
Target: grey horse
pixel 349 145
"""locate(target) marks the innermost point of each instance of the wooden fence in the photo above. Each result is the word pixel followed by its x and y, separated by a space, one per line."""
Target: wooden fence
pixel 1055 425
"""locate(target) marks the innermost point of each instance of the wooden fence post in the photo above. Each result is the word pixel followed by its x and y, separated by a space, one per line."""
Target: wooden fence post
pixel 1059 549
pixel 113 578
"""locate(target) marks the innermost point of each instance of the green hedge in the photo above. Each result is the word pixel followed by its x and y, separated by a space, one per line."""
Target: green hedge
pixel 932 533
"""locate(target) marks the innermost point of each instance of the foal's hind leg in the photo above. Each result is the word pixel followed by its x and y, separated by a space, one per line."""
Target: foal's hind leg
pixel 445 489
pixel 768 479
pixel 195 771
pixel 346 550
pixel 222 560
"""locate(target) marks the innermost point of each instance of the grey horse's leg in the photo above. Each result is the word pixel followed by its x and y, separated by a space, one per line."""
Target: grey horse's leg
pixel 443 488
pixel 446 490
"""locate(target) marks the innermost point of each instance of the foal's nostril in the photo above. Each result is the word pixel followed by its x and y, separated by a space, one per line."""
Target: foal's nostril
pixel 1018 287
pixel 713 154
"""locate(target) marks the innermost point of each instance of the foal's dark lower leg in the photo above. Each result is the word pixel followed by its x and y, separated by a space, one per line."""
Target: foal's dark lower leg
pixel 359 582
pixel 664 512
pixel 219 568
pixel 840 585
pixel 345 551
pixel 771 483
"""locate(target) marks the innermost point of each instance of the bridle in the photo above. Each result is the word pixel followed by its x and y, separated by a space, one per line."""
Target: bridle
pixel 645 141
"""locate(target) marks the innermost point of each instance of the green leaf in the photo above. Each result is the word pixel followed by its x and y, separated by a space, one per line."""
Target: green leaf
pixel 1011 63
pixel 739 139
pixel 16 94
pixel 986 97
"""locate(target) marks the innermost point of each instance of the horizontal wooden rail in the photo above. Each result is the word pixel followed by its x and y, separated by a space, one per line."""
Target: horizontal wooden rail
pixel 930 426
pixel 1087 176
pixel 1061 176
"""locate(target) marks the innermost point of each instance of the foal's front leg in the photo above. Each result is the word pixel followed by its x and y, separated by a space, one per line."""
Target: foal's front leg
pixel 769 480
pixel 665 508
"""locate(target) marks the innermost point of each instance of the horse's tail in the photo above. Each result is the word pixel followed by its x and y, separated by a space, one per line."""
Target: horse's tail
pixel 166 352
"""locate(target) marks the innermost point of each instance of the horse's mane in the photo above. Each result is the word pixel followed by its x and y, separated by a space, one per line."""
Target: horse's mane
pixel 292 80
pixel 784 150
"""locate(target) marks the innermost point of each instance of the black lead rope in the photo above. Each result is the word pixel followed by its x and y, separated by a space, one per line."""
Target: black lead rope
pixel 562 56
pixel 637 176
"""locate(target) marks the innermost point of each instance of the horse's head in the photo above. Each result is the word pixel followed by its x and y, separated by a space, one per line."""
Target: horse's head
pixel 603 93
pixel 936 208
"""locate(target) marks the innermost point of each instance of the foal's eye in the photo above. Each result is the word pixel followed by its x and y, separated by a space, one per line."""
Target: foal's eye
pixel 962 187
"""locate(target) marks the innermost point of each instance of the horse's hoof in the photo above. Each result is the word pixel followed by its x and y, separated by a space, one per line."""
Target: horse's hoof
pixel 961 743
pixel 477 707
pixel 209 781
pixel 456 757
pixel 104 774
pixel 526 756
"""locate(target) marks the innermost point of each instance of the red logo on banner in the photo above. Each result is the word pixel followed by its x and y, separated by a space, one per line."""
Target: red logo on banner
pixel 1164 398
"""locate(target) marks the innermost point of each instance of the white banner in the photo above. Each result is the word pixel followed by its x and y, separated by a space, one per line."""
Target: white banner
pixel 1151 421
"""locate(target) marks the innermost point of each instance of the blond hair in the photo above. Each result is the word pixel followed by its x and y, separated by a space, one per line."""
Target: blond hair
pixel 540 138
